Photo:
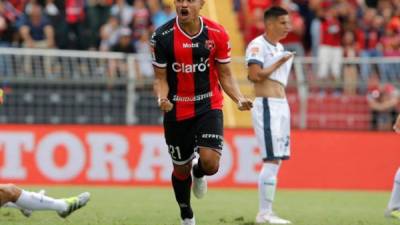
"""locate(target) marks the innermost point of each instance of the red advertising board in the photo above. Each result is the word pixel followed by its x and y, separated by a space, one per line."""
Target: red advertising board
pixel 122 155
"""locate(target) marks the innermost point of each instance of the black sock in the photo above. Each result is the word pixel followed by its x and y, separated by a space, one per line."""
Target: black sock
pixel 198 170
pixel 182 195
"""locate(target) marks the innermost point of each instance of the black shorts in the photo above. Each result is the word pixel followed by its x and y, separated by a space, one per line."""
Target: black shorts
pixel 185 137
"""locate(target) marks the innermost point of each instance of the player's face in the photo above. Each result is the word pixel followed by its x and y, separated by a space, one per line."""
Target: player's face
pixel 281 26
pixel 188 10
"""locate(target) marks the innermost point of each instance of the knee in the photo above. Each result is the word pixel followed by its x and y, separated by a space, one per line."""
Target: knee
pixel 210 167
pixel 9 192
pixel 182 170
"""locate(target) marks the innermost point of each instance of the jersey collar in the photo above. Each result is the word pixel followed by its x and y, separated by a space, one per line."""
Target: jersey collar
pixel 186 34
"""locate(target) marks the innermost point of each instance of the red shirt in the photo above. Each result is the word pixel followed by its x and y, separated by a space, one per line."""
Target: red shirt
pixel 74 11
pixel 191 66
pixel 330 32
pixel 367 39
pixel 297 21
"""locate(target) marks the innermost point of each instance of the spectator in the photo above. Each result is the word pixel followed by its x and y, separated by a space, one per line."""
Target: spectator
pixel 368 36
pixel 36 31
pixel 124 45
pixel 8 16
pixel 75 17
pixel 391 48
pixel 256 26
pixel 349 70
pixel 109 33
pixel 144 50
pixel 141 19
pixel 163 15
pixel 330 52
pixel 98 12
pixel 293 41
pixel 123 11
pixel 315 31
pixel 383 101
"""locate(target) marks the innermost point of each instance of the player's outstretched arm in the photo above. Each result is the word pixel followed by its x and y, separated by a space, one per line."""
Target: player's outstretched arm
pixel 231 87
pixel 396 125
pixel 161 89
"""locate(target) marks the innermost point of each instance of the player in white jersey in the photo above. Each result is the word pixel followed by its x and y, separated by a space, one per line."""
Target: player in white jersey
pixel 393 209
pixel 268 68
pixel 26 201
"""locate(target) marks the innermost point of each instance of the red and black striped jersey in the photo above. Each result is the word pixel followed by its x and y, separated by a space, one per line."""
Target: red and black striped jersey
pixel 190 62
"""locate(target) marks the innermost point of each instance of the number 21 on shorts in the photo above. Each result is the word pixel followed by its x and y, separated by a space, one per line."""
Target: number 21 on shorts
pixel 175 152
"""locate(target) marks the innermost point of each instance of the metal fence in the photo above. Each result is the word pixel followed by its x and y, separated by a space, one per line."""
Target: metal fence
pixel 83 87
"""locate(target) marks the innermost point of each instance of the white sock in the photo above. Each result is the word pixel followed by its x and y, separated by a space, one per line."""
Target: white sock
pixel 394 202
pixel 11 205
pixel 266 186
pixel 36 201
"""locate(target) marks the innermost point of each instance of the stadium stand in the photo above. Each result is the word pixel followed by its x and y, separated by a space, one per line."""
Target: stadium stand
pixel 93 85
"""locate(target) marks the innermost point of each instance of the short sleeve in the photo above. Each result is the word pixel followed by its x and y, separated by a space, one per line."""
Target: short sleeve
pixel 159 58
pixel 254 54
pixel 223 50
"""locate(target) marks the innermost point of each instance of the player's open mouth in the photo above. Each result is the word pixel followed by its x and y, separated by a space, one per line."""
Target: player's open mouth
pixel 184 12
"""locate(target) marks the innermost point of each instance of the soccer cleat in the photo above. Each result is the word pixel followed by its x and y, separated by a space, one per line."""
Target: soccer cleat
pixel 199 186
pixel 188 221
pixel 394 213
pixel 74 203
pixel 271 218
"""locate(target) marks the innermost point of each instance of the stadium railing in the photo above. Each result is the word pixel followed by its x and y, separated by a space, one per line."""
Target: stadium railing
pixel 87 87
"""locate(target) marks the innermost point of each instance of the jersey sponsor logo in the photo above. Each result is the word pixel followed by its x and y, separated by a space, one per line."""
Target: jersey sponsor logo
pixel 191 68
pixel 190 45
pixel 212 136
pixel 254 51
pixel 209 44
pixel 195 98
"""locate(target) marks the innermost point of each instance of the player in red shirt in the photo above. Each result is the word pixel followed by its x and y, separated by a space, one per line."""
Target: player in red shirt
pixel 191 56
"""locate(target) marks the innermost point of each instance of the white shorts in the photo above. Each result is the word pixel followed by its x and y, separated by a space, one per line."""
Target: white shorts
pixel 271 122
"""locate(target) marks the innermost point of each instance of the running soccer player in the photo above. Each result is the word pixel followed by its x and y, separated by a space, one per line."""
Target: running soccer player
pixel 14 197
pixel 393 209
pixel 191 56
pixel 268 68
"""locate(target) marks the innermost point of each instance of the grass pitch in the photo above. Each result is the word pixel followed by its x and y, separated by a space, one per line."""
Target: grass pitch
pixel 156 206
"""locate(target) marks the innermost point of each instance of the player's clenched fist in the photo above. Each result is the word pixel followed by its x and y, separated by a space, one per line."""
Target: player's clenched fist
pixel 244 104
pixel 165 105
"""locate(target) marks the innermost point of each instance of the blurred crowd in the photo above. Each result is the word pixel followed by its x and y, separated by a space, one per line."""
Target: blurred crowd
pixel 334 29
pixel 106 25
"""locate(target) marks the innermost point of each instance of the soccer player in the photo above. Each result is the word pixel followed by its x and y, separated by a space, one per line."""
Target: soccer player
pixel 12 196
pixel 393 209
pixel 268 68
pixel 191 56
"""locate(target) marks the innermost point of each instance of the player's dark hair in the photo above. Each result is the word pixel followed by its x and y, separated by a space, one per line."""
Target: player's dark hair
pixel 274 12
